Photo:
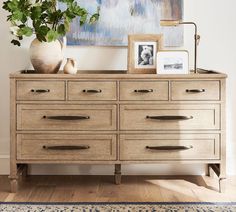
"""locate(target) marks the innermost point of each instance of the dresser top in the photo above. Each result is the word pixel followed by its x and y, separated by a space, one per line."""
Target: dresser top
pixel 115 75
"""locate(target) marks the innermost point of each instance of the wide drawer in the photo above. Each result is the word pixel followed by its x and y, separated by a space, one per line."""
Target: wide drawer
pixel 170 117
pixel 170 147
pixel 66 147
pixel 144 90
pixel 195 90
pixel 66 117
pixel 40 90
pixel 92 90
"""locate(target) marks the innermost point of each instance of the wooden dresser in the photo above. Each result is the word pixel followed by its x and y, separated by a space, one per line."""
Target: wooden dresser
pixel 116 118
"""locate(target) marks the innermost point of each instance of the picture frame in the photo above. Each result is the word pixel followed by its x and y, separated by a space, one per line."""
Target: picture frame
pixel 172 62
pixel 142 50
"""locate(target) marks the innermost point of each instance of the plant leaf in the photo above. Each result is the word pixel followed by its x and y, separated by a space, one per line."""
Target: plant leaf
pixel 17 15
pixel 43 30
pixel 94 18
pixel 36 12
pixel 83 19
pixel 61 29
pixel 27 31
pixel 52 35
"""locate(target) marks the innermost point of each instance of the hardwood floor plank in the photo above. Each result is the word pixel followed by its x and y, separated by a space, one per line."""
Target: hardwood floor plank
pixel 85 188
pixel 26 187
pixel 149 190
pixel 4 187
pixel 132 189
pixel 127 191
pixel 177 190
pixel 41 194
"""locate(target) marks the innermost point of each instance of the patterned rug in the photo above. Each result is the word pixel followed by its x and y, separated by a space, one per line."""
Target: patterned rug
pixel 118 207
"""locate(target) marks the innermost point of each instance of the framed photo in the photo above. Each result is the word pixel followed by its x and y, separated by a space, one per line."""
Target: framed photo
pixel 172 62
pixel 142 53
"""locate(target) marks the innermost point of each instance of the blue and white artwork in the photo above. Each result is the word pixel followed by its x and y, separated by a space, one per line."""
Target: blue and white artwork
pixel 118 18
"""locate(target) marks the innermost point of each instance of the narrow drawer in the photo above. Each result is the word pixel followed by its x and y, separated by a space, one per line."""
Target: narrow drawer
pixel 66 117
pixel 40 90
pixel 170 117
pixel 66 147
pixel 92 90
pixel 170 147
pixel 195 90
pixel 140 90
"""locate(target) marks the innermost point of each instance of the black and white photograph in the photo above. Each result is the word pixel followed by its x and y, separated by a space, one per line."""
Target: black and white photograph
pixel 172 62
pixel 145 53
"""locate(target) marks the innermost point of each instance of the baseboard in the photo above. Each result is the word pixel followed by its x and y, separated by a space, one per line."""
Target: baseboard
pixel 4 164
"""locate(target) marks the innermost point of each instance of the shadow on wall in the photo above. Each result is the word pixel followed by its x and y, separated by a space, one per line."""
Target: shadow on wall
pixel 99 58
pixel 12 59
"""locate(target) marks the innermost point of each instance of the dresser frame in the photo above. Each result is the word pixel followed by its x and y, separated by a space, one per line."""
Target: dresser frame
pixel 18 167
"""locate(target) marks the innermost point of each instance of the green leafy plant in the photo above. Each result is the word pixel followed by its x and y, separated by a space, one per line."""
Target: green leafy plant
pixel 44 19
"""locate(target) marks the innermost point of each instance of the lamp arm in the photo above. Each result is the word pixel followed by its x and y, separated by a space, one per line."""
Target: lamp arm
pixel 190 23
pixel 196 39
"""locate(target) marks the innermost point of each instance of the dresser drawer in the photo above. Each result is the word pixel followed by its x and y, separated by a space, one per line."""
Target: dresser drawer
pixel 170 147
pixel 66 117
pixel 40 90
pixel 92 90
pixel 195 90
pixel 144 90
pixel 66 147
pixel 170 117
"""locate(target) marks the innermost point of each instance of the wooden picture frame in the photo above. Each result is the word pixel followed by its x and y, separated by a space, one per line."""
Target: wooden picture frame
pixel 142 50
pixel 172 62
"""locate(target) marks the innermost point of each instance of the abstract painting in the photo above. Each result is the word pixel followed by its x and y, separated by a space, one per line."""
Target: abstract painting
pixel 119 18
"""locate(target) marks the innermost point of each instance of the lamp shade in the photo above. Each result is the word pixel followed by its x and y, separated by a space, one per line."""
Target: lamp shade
pixel 170 22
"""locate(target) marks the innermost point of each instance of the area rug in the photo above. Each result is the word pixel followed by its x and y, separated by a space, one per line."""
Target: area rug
pixel 119 207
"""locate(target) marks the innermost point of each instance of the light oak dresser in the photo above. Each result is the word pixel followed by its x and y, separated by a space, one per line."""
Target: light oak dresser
pixel 117 118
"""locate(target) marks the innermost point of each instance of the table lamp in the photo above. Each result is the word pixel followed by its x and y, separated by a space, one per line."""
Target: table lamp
pixel 169 23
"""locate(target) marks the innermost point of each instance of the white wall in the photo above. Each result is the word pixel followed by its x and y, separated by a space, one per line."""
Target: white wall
pixel 216 22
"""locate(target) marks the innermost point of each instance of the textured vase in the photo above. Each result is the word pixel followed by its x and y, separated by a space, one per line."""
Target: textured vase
pixel 46 57
pixel 70 66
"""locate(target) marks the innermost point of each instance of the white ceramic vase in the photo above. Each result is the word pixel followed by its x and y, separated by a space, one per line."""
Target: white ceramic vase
pixel 46 57
pixel 70 66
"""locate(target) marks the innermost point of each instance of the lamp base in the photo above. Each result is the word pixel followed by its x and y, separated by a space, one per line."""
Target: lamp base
pixel 203 71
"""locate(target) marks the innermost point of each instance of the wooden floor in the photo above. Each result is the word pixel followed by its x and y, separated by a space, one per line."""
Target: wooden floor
pixel 132 189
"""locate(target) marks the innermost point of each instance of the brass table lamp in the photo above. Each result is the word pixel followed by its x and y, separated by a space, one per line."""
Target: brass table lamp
pixel 196 36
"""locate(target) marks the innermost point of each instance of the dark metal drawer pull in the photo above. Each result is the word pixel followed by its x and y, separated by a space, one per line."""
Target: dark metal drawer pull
pixel 92 91
pixel 66 117
pixel 170 118
pixel 66 147
pixel 144 91
pixel 40 90
pixel 165 148
pixel 195 90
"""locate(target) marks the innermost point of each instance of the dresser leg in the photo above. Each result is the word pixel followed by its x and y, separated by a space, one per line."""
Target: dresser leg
pixel 207 170
pixel 117 174
pixel 222 185
pixel 14 185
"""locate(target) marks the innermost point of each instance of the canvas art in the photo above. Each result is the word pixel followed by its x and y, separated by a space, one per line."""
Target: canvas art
pixel 118 18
